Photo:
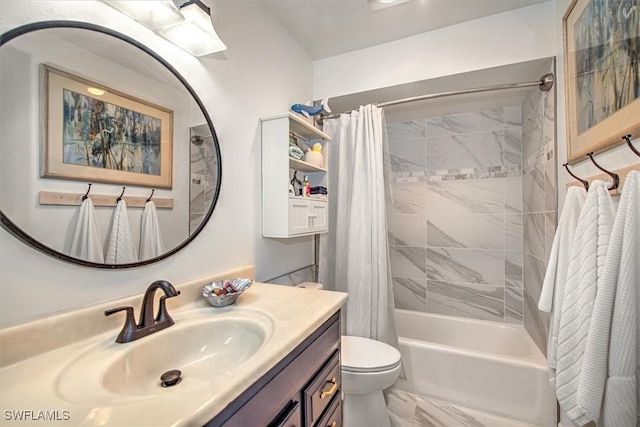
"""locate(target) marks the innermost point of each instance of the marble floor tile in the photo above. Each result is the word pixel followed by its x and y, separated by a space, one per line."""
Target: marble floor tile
pixel 470 150
pixel 454 124
pixel 410 410
pixel 478 196
pixel 482 302
pixel 401 407
pixel 466 266
pixel 410 294
pixel 412 129
pixel 466 231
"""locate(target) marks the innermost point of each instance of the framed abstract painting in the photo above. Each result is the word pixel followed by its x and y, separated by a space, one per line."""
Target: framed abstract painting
pixel 602 74
pixel 96 133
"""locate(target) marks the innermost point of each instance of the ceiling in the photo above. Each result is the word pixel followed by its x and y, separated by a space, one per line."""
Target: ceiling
pixel 326 28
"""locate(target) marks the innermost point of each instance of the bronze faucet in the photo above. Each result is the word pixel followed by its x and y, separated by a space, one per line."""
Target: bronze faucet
pixel 148 323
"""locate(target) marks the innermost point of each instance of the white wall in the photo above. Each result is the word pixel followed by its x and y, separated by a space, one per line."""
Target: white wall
pixel 507 38
pixel 261 74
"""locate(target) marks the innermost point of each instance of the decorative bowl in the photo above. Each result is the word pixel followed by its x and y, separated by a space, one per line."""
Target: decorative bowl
pixel 225 292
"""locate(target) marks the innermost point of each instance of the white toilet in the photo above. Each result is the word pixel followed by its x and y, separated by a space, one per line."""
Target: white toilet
pixel 368 367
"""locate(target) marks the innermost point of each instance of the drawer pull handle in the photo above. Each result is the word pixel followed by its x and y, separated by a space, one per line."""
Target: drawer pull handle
pixel 334 385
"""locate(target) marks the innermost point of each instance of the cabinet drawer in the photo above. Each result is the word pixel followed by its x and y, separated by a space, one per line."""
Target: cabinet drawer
pixel 333 416
pixel 290 416
pixel 322 389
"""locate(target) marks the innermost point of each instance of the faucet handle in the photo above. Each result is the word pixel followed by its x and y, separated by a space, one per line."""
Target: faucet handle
pixel 129 327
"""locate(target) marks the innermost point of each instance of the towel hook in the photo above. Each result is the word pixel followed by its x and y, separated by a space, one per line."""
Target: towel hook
pixel 584 182
pixel 615 178
pixel 628 140
pixel 152 191
pixel 86 195
pixel 121 194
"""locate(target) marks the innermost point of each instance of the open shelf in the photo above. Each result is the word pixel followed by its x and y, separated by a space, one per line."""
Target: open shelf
pixel 301 166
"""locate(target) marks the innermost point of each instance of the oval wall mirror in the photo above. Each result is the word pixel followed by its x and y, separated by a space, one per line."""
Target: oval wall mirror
pixel 81 104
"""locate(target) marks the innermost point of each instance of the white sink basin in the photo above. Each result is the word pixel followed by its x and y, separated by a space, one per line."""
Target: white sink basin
pixel 205 348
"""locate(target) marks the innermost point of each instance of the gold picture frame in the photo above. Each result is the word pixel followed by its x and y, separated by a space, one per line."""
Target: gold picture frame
pixel 602 76
pixel 99 134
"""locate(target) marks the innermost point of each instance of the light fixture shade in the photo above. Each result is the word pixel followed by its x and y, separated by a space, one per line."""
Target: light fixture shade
pixel 376 5
pixel 150 13
pixel 195 34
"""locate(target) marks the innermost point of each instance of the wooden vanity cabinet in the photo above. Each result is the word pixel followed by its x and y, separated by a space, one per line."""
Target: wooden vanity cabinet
pixel 302 390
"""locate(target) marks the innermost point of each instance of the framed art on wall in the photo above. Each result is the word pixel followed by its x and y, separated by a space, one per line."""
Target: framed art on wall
pixel 602 74
pixel 96 133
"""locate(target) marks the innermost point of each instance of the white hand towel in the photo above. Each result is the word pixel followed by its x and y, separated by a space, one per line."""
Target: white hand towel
pixel 585 270
pixel 612 348
pixel 151 244
pixel 556 275
pixel 87 241
pixel 120 247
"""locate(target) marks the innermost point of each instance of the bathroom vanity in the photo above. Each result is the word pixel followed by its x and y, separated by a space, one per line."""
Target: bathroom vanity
pixel 270 359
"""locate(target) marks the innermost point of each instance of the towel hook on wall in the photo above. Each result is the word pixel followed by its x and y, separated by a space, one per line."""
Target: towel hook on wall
pixel 584 182
pixel 615 178
pixel 627 138
pixel 152 191
pixel 121 194
pixel 86 195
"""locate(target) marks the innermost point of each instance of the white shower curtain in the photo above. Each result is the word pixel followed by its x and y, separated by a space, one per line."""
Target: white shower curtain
pixel 354 254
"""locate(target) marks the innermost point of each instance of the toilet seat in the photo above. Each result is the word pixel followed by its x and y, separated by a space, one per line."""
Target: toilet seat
pixel 360 354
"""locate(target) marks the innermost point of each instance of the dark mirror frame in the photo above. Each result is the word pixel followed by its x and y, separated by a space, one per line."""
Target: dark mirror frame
pixel 17 232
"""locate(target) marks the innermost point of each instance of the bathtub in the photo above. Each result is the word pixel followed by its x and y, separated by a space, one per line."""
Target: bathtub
pixel 486 366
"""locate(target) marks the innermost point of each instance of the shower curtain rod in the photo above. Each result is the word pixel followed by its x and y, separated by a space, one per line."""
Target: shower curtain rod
pixel 545 84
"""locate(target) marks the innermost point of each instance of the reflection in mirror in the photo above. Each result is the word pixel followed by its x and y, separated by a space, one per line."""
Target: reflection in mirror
pixel 143 128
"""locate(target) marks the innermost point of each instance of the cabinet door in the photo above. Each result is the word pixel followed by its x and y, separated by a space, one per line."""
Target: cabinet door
pixel 299 216
pixel 319 215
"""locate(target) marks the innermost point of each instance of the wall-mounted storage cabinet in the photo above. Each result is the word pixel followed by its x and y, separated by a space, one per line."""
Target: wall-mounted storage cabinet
pixel 283 214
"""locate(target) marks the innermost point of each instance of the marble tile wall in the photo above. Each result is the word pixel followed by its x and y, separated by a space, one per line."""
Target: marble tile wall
pixel 539 205
pixel 456 223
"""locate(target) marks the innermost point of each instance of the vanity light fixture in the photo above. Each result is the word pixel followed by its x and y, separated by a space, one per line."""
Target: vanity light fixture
pixel 195 34
pixel 189 27
pixel 376 5
pixel 154 15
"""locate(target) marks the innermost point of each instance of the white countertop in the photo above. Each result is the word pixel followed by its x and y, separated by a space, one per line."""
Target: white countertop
pixel 32 365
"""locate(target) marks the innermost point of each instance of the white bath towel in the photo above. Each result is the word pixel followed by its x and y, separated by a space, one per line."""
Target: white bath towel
pixel 87 241
pixel 151 244
pixel 611 361
pixel 556 275
pixel 585 270
pixel 120 246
